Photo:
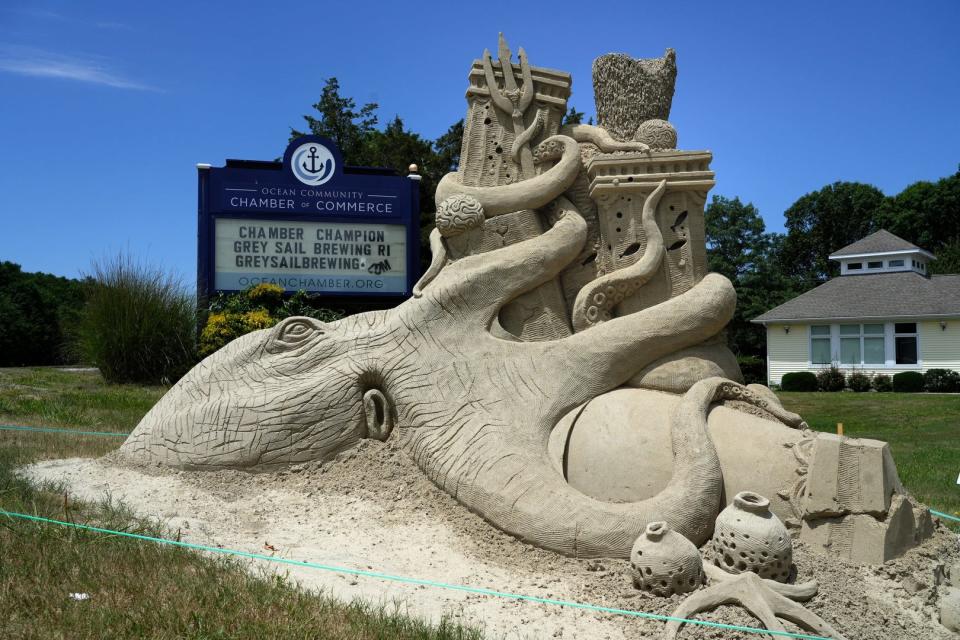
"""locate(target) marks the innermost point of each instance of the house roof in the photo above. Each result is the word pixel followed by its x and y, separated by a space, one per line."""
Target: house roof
pixel 879 242
pixel 880 295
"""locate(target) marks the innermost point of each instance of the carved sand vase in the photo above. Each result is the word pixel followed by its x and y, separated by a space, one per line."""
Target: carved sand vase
pixel 748 537
pixel 663 562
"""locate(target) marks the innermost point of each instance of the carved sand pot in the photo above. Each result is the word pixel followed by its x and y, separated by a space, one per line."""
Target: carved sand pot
pixel 748 537
pixel 663 562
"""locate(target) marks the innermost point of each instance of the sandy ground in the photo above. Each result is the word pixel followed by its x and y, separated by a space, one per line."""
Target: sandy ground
pixel 373 510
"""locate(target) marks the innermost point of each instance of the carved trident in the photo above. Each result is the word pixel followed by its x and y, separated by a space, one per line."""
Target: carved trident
pixel 514 101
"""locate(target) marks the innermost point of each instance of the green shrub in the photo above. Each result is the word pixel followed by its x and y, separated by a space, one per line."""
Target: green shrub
pixel 798 381
pixel 908 382
pixel 754 369
pixel 882 383
pixel 258 307
pixel 831 379
pixel 858 381
pixel 941 381
pixel 138 323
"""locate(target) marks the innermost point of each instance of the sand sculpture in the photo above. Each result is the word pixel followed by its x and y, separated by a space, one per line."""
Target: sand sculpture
pixel 748 537
pixel 663 562
pixel 561 369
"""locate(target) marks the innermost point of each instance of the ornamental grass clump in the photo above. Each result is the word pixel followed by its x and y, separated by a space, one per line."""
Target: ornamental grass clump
pixel 138 323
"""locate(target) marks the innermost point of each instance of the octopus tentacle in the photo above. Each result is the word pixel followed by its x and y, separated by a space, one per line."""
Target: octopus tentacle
pixel 600 137
pixel 528 134
pixel 595 301
pixel 518 267
pixel 439 251
pixel 528 194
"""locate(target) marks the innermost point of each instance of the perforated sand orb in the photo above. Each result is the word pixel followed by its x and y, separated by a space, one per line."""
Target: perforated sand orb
pixel 663 562
pixel 749 537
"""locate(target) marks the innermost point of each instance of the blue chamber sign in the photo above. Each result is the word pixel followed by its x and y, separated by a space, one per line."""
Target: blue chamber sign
pixel 308 223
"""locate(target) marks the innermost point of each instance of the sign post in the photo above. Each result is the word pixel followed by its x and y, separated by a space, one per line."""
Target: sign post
pixel 308 223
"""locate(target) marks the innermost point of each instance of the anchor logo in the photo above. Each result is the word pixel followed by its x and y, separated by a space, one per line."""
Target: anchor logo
pixel 312 163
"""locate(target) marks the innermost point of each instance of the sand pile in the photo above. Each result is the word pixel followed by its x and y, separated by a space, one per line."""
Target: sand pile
pixel 372 509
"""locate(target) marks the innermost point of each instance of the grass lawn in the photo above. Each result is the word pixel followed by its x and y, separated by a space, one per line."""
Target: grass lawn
pixel 136 589
pixel 923 431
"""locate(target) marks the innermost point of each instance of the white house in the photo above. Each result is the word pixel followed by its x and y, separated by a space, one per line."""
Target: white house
pixel 884 314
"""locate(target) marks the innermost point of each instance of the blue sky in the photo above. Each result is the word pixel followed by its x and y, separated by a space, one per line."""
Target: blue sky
pixel 106 107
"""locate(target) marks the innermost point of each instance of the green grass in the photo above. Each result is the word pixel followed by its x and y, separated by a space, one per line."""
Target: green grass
pixel 923 431
pixel 137 589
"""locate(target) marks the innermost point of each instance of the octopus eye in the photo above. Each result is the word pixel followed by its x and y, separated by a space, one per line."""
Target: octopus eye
pixel 294 332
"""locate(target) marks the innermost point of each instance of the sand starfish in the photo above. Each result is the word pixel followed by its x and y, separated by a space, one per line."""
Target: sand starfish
pixel 767 600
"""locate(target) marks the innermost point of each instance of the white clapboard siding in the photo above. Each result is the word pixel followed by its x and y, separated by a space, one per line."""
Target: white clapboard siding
pixel 940 348
pixel 786 352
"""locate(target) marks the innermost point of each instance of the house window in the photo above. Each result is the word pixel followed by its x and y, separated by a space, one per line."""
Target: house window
pixel 895 263
pixel 849 344
pixel 873 344
pixel 875 265
pixel 862 344
pixel 905 340
pixel 853 266
pixel 820 344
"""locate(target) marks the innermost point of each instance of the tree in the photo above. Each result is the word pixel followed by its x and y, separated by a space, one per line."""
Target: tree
pixel 572 117
pixel 928 215
pixel 37 312
pixel 735 237
pixel 821 222
pixel 448 147
pixel 341 122
pixel 739 248
pixel 948 258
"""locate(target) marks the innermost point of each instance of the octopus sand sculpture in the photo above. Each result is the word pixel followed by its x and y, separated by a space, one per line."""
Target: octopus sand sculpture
pixel 561 369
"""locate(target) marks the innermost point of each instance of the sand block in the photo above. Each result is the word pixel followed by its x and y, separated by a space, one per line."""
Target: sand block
pixel 849 476
pixel 862 538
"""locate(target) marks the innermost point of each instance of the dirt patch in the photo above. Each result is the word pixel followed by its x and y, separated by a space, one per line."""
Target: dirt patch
pixel 373 510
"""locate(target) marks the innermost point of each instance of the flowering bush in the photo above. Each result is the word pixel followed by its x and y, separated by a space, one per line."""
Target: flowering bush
pixel 259 307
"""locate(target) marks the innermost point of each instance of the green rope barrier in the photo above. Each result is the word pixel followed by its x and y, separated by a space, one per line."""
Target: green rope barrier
pixel 416 581
pixel 945 515
pixel 13 427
